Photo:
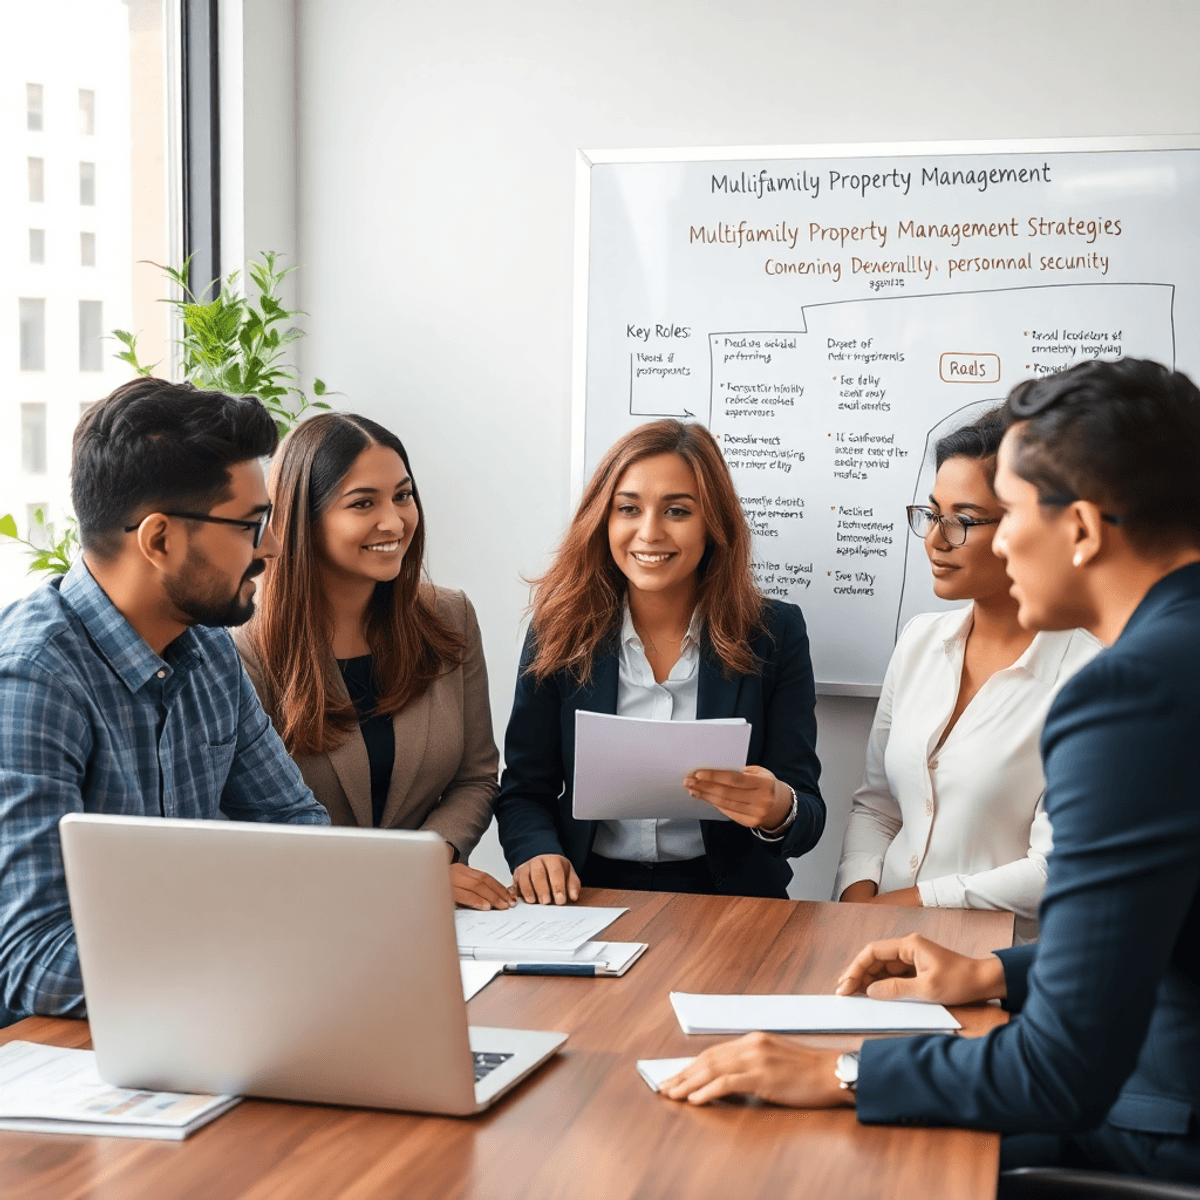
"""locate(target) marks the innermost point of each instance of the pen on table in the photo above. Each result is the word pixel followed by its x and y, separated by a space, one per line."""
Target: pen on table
pixel 549 968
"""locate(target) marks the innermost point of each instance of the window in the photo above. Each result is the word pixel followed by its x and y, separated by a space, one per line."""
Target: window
pixel 33 335
pixel 35 522
pixel 33 106
pixel 91 329
pixel 108 110
pixel 37 179
pixel 33 439
pixel 87 111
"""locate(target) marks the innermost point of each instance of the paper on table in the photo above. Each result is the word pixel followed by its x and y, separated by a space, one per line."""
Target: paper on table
pixel 655 1070
pixel 47 1089
pixel 477 975
pixel 807 1014
pixel 629 769
pixel 510 934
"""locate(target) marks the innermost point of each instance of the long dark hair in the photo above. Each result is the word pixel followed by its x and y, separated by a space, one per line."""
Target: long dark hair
pixel 577 602
pixel 291 632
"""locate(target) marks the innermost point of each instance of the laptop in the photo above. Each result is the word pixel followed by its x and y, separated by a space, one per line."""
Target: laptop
pixel 288 961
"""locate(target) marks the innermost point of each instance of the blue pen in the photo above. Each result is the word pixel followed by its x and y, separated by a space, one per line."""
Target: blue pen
pixel 550 969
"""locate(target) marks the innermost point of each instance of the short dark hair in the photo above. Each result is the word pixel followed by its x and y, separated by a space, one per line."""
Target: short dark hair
pixel 1124 435
pixel 980 440
pixel 154 445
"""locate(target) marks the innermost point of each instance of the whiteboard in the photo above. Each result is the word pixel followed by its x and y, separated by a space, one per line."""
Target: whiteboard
pixel 829 312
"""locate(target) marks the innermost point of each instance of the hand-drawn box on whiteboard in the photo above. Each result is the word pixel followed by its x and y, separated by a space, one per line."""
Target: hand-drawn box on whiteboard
pixel 969 368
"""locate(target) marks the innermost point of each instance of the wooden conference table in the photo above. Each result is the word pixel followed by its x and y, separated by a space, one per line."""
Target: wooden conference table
pixel 585 1126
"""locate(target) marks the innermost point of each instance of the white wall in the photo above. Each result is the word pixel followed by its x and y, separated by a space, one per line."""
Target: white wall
pixel 435 148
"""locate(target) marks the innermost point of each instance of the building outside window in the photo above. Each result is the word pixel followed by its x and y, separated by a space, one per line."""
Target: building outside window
pixel 37 179
pixel 99 130
pixel 33 107
pixel 33 334
pixel 33 439
pixel 91 329
pixel 87 111
pixel 35 524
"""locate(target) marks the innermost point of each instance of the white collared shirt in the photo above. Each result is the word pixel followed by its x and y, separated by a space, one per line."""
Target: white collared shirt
pixel 640 695
pixel 963 821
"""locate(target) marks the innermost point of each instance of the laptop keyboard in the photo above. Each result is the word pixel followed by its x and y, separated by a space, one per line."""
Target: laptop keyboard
pixel 486 1063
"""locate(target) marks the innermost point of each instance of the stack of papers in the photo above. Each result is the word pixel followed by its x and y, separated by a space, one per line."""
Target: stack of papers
pixel 45 1089
pixel 535 939
pixel 808 1014
pixel 627 768
pixel 545 931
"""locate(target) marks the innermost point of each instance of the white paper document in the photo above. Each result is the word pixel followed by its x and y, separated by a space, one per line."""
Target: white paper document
pixel 627 768
pixel 477 975
pixel 808 1014
pixel 46 1089
pixel 655 1070
pixel 513 934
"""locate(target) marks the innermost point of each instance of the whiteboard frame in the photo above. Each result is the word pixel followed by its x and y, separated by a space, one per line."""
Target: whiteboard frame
pixel 586 159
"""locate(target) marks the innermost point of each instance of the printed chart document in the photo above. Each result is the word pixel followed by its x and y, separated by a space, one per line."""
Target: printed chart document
pixel 544 930
pixel 655 1070
pixel 627 768
pixel 808 1014
pixel 45 1089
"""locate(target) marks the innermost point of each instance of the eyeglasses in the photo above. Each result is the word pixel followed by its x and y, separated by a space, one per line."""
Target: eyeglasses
pixel 954 527
pixel 259 526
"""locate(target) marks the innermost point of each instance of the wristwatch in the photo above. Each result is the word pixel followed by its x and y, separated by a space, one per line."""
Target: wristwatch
pixel 846 1070
pixel 777 834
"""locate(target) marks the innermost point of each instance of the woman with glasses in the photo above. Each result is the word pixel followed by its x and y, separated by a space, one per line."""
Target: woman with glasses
pixel 374 678
pixel 949 814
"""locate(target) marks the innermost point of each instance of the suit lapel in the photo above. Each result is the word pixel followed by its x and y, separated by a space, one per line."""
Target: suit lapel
pixel 600 694
pixel 411 728
pixel 716 694
pixel 353 770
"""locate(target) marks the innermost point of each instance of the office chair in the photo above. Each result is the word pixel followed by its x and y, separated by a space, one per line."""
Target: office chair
pixel 1054 1183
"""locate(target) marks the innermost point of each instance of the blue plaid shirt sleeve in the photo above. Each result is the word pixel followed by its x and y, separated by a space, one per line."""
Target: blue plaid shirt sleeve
pixel 263 783
pixel 45 744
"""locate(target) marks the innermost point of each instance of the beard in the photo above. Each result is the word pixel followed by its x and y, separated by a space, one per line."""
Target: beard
pixel 201 594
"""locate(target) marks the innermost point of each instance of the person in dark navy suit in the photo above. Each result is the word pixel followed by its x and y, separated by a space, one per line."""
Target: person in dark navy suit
pixel 650 610
pixel 1100 1064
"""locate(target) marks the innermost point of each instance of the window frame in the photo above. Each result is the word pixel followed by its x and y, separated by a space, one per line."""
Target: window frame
pixel 200 105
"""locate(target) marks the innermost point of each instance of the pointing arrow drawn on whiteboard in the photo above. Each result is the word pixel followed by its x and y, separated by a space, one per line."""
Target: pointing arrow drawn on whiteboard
pixel 687 412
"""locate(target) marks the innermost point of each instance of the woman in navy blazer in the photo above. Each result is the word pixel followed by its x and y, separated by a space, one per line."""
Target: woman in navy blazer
pixel 650 609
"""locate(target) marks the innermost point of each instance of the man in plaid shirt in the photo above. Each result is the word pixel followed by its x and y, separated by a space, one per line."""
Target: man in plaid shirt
pixel 120 689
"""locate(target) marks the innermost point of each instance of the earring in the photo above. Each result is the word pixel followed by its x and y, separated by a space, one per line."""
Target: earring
pixel 1078 559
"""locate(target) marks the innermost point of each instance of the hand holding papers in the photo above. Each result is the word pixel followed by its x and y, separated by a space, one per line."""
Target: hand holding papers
pixel 807 1014
pixel 628 768
pixel 655 1070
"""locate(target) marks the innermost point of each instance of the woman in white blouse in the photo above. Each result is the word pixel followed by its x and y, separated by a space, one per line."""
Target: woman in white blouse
pixel 949 814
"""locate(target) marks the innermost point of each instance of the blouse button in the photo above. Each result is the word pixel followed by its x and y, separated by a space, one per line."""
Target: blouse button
pixel 913 862
pixel 928 806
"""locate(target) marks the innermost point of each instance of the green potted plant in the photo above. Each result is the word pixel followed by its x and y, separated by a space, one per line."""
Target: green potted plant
pixel 230 343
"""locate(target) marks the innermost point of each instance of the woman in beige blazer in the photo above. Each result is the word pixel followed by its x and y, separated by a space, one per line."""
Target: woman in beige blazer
pixel 374 678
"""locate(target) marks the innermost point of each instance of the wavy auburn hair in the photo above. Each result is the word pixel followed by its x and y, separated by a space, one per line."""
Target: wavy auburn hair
pixel 291 633
pixel 577 603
